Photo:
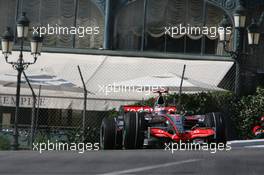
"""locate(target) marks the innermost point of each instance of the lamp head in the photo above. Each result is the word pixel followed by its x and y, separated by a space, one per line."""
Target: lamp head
pixel 22 26
pixel 7 41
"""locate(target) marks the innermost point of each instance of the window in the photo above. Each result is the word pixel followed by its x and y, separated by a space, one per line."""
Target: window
pixel 7 14
pixel 6 120
pixel 89 15
pixel 131 23
pixel 175 45
pixel 129 26
pixel 65 13
pixel 155 43
pixel 53 13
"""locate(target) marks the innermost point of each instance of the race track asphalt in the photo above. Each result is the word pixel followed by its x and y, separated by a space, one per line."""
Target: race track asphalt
pixel 243 159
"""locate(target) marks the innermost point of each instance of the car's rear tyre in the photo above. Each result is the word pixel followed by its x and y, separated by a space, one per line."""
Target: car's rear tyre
pixel 209 120
pixel 134 128
pixel 108 134
pixel 216 120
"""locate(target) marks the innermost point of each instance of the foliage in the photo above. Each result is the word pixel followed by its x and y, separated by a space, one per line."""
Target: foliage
pixel 112 113
pixel 41 137
pixel 75 135
pixel 4 143
pixel 247 113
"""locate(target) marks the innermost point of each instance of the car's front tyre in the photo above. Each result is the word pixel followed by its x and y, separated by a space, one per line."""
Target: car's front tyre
pixel 134 128
pixel 216 120
pixel 108 134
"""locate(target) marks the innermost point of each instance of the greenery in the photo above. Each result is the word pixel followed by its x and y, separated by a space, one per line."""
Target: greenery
pixel 41 137
pixel 4 143
pixel 247 113
pixel 112 113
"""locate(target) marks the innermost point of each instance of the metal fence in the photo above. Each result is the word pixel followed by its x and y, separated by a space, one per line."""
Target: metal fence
pixel 55 125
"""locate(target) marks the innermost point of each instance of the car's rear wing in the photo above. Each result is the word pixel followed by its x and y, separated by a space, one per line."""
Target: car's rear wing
pixel 134 108
pixel 168 109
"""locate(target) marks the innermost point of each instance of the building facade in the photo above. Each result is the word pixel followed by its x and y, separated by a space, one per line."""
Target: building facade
pixel 137 25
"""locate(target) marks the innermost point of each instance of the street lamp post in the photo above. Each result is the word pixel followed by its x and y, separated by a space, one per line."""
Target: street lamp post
pixel 253 39
pixel 20 65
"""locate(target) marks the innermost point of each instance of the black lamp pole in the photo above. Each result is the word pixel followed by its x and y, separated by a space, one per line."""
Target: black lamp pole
pixel 20 65
pixel 23 22
pixel 240 21
pixel 237 56
pixel 20 68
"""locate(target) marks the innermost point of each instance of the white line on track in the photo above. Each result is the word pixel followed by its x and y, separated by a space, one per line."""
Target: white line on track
pixel 254 146
pixel 246 141
pixel 134 170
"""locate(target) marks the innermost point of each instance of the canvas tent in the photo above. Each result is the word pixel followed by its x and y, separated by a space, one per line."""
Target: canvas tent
pixel 169 82
pixel 100 73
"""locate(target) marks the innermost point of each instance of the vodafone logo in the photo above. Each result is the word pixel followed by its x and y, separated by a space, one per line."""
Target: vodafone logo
pixel 147 109
pixel 171 109
pixel 138 109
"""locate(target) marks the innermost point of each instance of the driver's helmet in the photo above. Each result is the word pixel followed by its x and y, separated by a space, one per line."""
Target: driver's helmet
pixel 159 101
pixel 159 109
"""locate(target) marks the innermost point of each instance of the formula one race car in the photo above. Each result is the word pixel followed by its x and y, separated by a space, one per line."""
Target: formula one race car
pixel 139 127
pixel 258 130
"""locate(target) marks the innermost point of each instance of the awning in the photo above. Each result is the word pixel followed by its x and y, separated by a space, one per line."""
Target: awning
pixel 100 73
pixel 167 81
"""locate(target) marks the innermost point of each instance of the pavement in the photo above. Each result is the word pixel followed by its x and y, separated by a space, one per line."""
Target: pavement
pixel 245 157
